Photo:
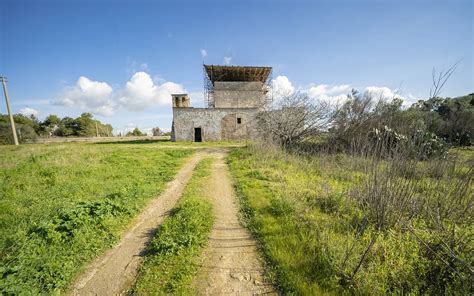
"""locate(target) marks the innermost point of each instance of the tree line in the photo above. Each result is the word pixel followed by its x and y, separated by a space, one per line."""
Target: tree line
pixel 29 128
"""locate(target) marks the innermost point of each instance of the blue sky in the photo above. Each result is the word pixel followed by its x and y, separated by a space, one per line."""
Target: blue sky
pixel 121 59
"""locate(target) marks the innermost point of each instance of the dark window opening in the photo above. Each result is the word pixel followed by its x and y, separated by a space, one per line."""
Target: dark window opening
pixel 197 134
pixel 239 120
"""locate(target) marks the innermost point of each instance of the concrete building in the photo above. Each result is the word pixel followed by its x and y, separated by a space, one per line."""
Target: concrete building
pixel 234 96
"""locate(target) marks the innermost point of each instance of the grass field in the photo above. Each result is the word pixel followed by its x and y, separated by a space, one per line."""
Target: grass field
pixel 310 229
pixel 172 256
pixel 63 204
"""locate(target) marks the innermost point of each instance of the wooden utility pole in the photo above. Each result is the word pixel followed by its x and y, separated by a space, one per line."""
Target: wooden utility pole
pixel 96 130
pixel 12 122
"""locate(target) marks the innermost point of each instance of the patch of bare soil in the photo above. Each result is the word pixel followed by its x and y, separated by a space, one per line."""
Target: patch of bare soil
pixel 115 271
pixel 230 263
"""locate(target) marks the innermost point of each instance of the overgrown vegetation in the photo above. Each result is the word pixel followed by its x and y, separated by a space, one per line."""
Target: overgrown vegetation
pixel 61 205
pixel 172 257
pixel 363 224
pixel 436 122
pixel 367 201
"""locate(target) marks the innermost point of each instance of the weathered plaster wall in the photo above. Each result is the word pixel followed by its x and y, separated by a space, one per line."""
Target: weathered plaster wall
pixel 238 94
pixel 216 124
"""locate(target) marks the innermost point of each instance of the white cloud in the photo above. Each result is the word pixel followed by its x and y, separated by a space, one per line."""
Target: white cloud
pixel 383 93
pixel 141 92
pixel 90 96
pixel 337 94
pixel 282 87
pixel 203 53
pixel 387 94
pixel 333 94
pixel 29 111
pixel 227 60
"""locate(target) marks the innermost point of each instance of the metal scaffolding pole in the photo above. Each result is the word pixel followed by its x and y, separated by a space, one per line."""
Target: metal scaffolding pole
pixel 12 122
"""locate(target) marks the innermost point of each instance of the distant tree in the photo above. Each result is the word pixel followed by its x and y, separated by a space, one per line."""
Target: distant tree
pixel 67 128
pixel 157 131
pixel 50 126
pixel 26 127
pixel 105 129
pixel 86 126
pixel 136 132
pixel 457 125
pixel 29 127
pixel 25 133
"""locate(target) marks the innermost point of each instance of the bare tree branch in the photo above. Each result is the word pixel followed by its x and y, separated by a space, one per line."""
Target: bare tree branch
pixel 440 79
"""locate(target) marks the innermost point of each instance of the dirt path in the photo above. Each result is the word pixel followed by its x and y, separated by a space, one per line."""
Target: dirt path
pixel 230 262
pixel 114 272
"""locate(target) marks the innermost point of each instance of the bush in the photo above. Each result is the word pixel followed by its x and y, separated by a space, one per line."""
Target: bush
pixel 25 133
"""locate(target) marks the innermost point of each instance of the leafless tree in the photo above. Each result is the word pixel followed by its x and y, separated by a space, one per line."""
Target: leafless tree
pixel 294 118
pixel 440 78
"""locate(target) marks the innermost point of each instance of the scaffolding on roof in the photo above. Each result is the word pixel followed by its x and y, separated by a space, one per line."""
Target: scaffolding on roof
pixel 213 73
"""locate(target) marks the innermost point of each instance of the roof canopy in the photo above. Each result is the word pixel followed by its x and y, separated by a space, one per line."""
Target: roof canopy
pixel 237 73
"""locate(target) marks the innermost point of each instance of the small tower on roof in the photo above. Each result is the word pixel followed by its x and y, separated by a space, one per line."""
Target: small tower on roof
pixel 181 101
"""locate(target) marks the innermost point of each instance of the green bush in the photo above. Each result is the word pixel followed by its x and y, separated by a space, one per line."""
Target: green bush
pixel 25 133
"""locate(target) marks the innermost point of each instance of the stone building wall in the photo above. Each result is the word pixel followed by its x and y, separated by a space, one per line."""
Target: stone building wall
pixel 238 94
pixel 216 123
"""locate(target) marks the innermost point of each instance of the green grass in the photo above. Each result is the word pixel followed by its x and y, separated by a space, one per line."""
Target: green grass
pixel 172 257
pixel 61 205
pixel 300 211
pixel 182 144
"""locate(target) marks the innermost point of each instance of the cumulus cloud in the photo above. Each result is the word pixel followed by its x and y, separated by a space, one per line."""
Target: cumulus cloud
pixel 383 93
pixel 29 111
pixel 334 94
pixel 139 93
pixel 203 53
pixel 282 87
pixel 337 94
pixel 88 95
pixel 227 60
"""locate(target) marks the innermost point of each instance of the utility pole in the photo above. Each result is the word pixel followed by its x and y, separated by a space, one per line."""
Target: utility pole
pixel 12 122
pixel 96 130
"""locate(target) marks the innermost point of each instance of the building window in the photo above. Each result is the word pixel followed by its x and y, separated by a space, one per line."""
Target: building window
pixel 239 120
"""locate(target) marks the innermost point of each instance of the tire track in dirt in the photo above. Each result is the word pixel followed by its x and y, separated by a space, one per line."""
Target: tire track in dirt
pixel 115 271
pixel 230 262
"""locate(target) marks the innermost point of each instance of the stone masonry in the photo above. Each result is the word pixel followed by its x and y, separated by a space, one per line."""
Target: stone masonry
pixel 232 115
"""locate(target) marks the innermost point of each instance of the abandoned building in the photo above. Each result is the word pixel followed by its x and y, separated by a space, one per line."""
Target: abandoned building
pixel 234 95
